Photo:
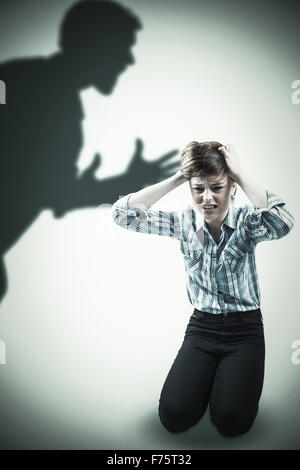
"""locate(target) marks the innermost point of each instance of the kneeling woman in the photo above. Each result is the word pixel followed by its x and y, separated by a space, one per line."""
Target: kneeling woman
pixel 221 360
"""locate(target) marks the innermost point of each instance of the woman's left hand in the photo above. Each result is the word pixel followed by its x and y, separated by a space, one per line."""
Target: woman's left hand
pixel 232 160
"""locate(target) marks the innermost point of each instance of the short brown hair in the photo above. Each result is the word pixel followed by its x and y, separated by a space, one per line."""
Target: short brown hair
pixel 203 159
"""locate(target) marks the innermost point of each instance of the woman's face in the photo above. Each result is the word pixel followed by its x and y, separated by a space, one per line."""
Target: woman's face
pixel 212 190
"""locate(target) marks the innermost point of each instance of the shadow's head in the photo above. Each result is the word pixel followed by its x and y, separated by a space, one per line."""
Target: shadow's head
pixel 211 185
pixel 96 38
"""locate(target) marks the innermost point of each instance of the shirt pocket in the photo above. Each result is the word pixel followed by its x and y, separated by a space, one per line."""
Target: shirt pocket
pixel 235 260
pixel 193 257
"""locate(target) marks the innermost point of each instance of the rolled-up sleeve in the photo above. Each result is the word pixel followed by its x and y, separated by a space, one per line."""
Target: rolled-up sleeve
pixel 165 223
pixel 268 223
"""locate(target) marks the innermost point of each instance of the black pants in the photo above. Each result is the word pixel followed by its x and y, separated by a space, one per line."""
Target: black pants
pixel 221 362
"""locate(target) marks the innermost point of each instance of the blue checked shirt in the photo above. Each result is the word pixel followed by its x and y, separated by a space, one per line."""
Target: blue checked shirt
pixel 221 277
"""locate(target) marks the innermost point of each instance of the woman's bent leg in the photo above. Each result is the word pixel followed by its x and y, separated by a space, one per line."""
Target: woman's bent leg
pixel 186 390
pixel 238 386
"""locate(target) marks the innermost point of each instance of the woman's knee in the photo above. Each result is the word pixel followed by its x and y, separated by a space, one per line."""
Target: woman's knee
pixel 177 419
pixel 233 423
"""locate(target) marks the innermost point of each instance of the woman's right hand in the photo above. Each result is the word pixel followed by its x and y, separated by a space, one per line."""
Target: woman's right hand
pixel 180 175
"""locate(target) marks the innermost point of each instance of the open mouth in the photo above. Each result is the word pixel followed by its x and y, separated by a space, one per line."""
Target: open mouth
pixel 209 207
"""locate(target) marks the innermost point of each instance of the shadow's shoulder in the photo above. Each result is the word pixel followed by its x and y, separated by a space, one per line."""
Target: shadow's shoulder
pixel 25 80
pixel 10 69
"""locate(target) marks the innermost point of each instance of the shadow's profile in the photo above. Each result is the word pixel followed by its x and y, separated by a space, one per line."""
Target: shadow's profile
pixel 41 134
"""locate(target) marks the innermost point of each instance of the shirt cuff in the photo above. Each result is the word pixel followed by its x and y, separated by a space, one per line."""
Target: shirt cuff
pixel 122 203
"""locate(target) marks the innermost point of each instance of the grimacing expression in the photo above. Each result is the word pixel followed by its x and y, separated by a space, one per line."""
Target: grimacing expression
pixel 214 190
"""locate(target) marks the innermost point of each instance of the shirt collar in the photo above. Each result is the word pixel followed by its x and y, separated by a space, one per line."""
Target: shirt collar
pixel 197 219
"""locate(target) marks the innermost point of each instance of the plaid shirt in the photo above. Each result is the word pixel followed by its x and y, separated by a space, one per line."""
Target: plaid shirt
pixel 221 277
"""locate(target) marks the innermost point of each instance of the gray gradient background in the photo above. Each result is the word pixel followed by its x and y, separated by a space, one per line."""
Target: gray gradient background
pixel 94 315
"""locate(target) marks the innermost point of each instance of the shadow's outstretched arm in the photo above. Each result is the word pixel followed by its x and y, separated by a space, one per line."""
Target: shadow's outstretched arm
pixel 88 191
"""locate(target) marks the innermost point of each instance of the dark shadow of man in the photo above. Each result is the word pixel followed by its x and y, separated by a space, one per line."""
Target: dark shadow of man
pixel 41 123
